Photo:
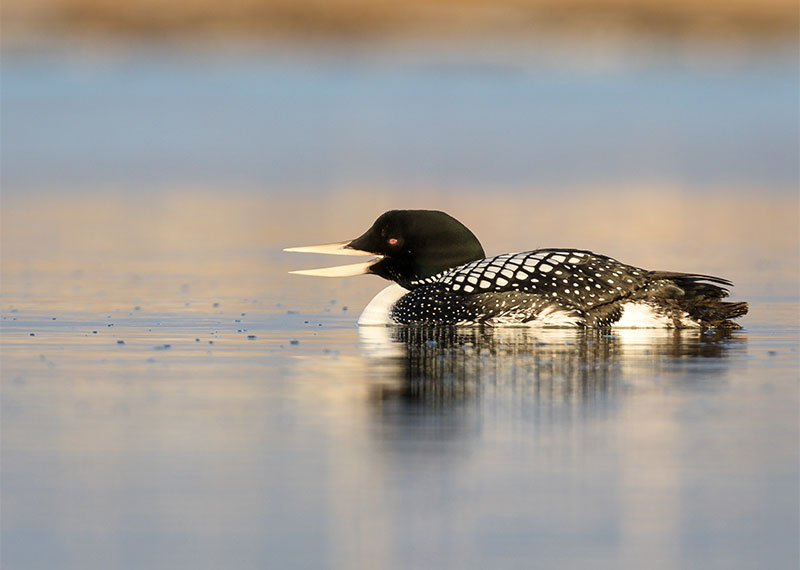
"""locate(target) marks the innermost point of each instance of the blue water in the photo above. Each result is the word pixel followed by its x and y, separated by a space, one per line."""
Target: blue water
pixel 269 120
pixel 315 444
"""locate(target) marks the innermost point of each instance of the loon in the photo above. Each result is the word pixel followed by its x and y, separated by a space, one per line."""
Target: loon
pixel 442 276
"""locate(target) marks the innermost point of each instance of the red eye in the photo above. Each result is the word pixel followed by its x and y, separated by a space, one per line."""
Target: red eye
pixel 392 241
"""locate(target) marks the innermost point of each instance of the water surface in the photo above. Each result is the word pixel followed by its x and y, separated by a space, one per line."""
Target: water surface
pixel 297 440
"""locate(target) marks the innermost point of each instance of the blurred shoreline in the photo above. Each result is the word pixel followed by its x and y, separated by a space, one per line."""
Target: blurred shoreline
pixel 28 23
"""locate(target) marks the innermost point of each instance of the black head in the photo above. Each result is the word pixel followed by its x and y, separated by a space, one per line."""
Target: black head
pixel 416 244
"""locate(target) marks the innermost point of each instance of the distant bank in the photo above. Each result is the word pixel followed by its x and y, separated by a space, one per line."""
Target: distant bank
pixel 726 20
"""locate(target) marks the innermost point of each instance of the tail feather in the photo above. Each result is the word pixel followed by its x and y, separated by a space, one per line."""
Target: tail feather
pixel 701 297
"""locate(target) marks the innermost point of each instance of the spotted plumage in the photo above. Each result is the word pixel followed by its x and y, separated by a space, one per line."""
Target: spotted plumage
pixel 447 280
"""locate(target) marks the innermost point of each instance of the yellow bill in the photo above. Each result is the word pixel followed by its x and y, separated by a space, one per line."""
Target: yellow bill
pixel 339 248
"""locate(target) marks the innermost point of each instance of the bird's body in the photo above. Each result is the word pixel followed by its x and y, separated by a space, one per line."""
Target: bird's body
pixel 444 278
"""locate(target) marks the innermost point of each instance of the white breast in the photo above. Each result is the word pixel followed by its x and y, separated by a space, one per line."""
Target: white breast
pixel 378 311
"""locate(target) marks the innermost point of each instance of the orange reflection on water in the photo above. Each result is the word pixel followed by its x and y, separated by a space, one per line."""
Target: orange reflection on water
pixel 178 243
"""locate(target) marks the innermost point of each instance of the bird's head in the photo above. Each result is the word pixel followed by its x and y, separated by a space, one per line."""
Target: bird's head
pixel 409 245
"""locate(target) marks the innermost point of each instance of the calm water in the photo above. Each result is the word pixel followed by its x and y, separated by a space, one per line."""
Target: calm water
pixel 171 398
pixel 315 444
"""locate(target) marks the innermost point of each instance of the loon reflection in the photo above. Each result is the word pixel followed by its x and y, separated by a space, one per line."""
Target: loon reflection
pixel 450 364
